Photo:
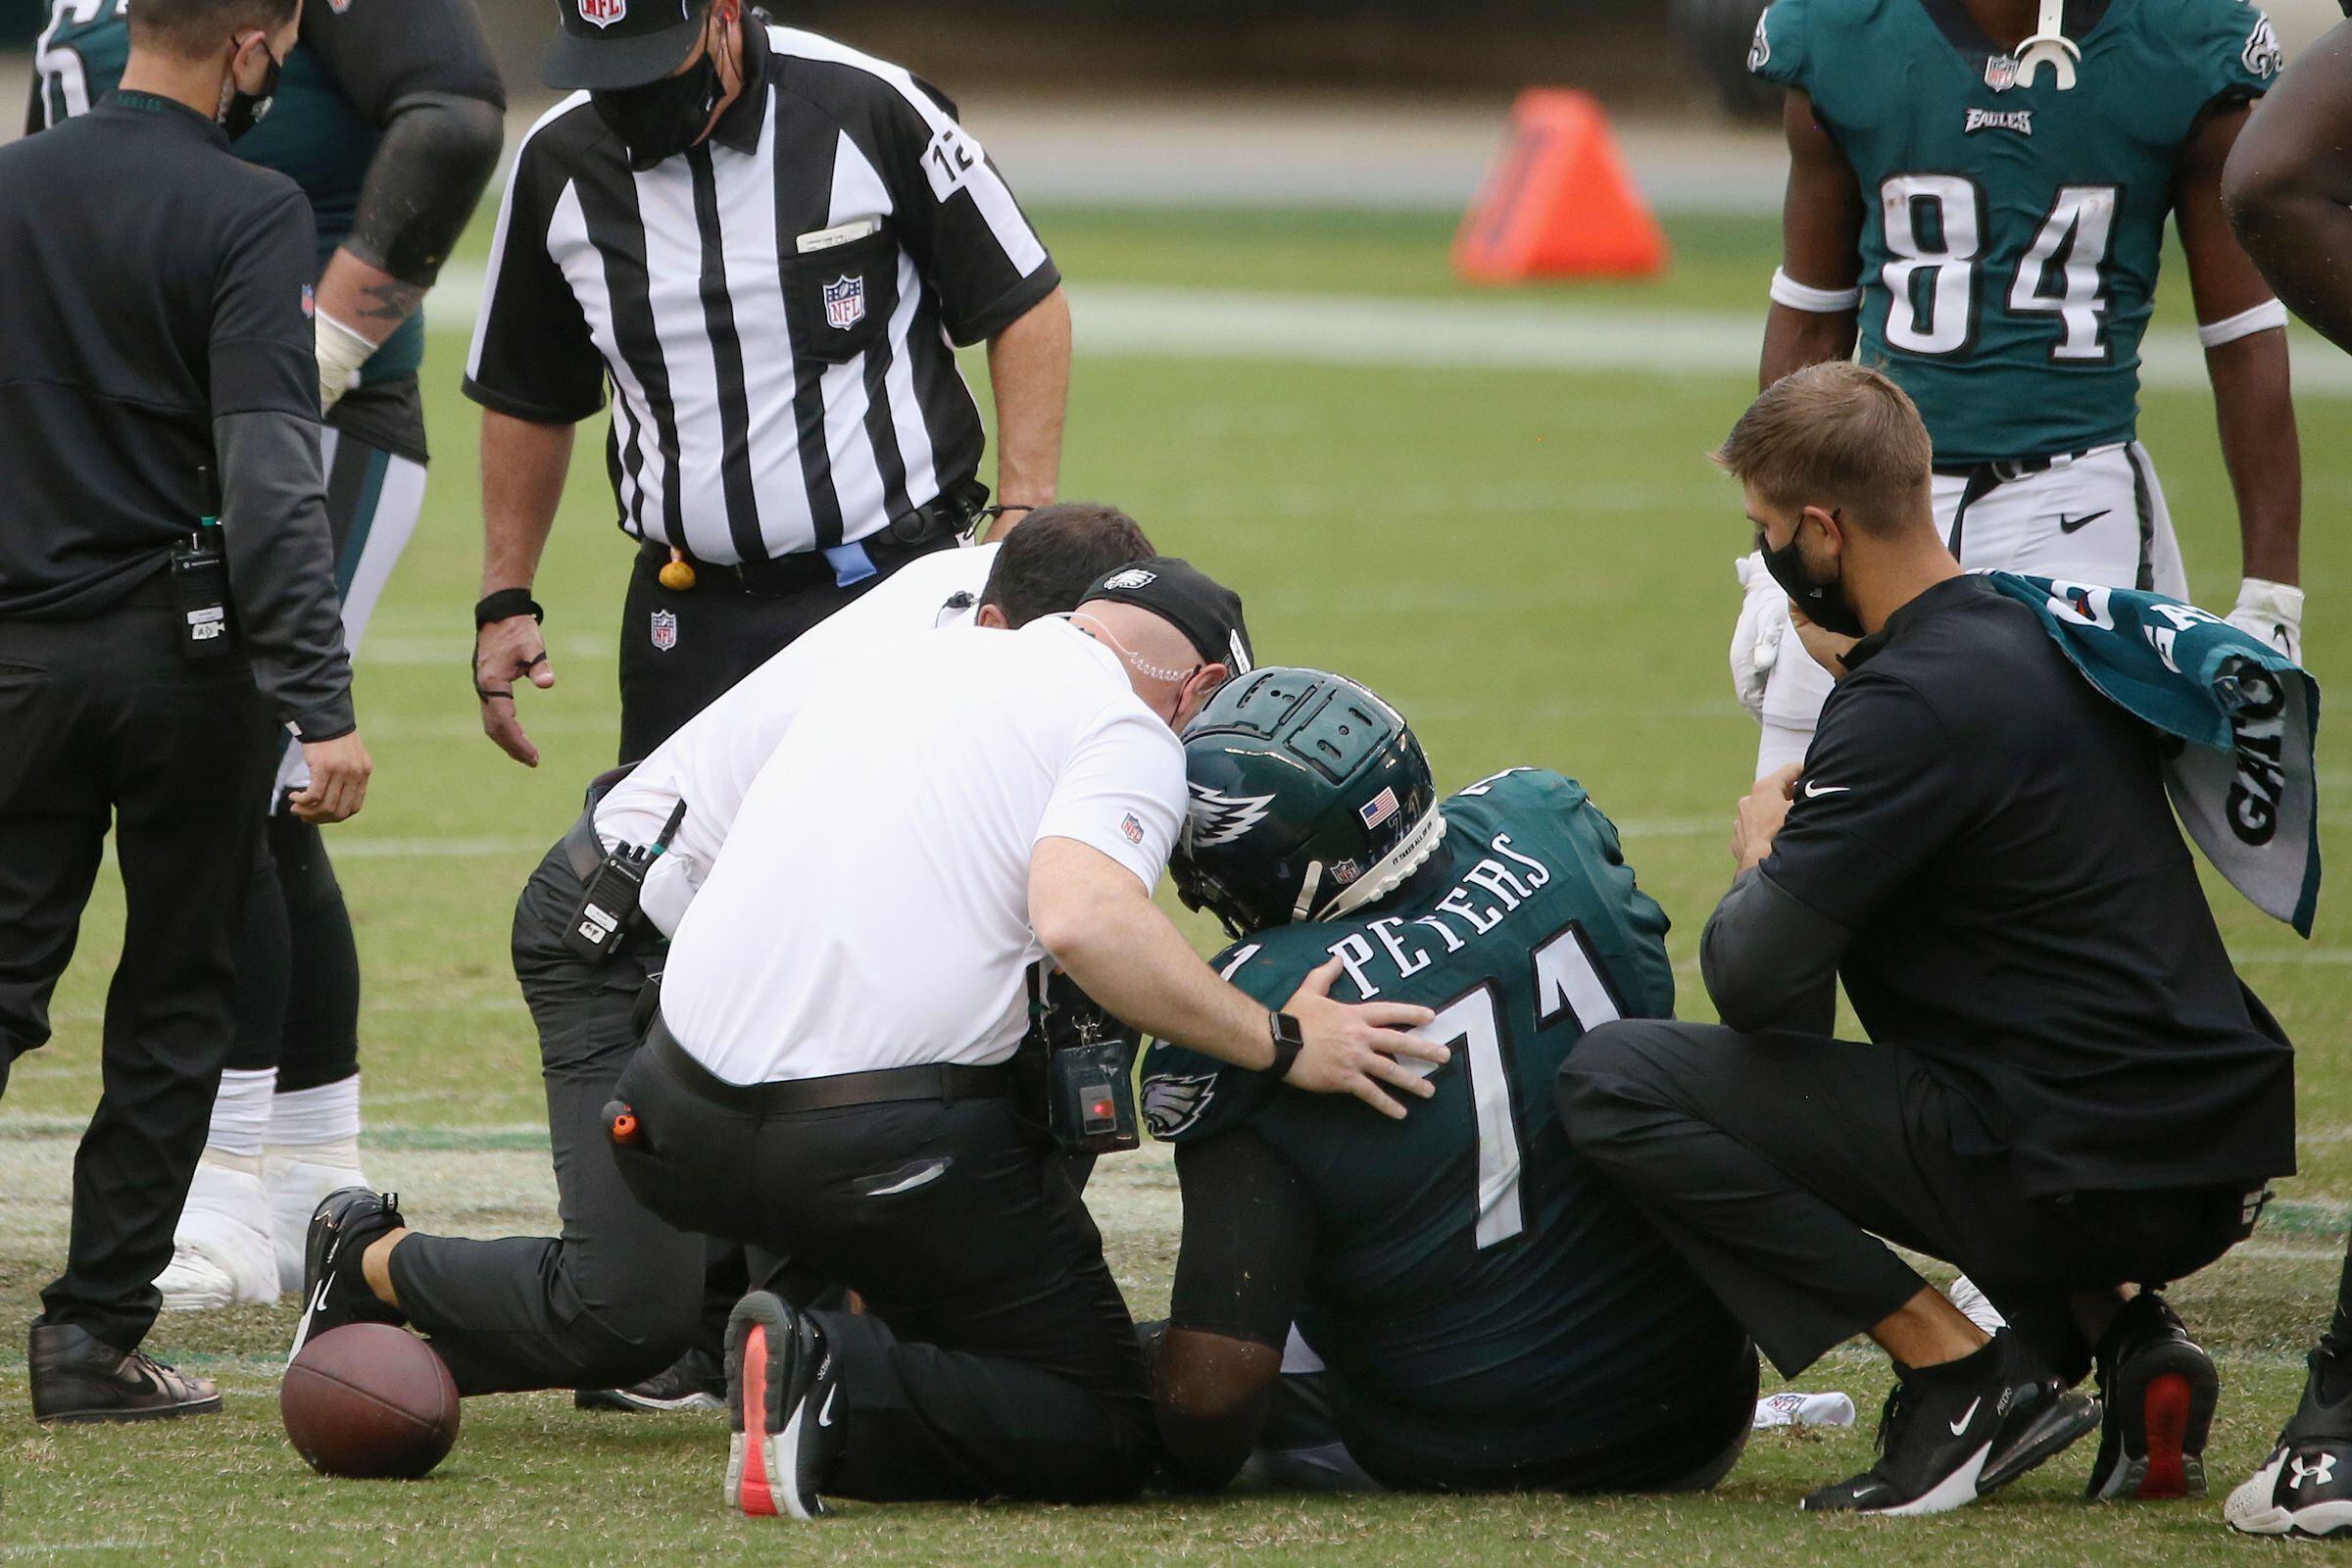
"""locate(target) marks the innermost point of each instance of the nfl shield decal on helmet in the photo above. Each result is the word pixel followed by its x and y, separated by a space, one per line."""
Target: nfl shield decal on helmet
pixel 604 13
pixel 665 630
pixel 1173 1101
pixel 845 303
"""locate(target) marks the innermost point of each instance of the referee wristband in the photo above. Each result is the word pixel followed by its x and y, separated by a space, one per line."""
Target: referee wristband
pixel 2245 323
pixel 1787 290
pixel 505 605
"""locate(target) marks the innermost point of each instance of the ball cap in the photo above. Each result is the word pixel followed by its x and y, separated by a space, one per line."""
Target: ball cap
pixel 604 45
pixel 1206 611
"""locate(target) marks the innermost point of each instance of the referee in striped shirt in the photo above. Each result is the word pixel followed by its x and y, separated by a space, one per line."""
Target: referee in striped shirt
pixel 768 244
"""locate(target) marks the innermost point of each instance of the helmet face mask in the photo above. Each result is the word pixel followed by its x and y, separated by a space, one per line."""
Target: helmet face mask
pixel 1309 796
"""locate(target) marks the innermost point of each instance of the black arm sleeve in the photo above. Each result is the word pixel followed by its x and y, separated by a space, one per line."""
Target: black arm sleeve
pixel 1770 962
pixel 421 71
pixel 1249 1237
pixel 281 569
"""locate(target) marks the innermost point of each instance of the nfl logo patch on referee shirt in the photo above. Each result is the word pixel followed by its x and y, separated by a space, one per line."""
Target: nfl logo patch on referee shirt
pixel 845 303
pixel 665 630
pixel 1379 809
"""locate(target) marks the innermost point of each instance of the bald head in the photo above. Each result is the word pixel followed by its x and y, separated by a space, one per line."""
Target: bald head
pixel 1162 665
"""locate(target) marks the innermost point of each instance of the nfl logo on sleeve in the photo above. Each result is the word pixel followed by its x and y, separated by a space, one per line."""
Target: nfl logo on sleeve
pixel 845 303
pixel 665 630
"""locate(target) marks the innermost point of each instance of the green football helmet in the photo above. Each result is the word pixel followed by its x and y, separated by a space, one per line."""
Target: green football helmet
pixel 1308 798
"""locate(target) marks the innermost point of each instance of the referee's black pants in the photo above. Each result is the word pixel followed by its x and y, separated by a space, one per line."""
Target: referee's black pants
pixel 1774 1162
pixel 614 1299
pixel 108 718
pixel 997 1357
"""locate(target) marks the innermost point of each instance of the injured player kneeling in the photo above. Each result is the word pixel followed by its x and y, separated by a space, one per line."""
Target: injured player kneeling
pixel 1486 1312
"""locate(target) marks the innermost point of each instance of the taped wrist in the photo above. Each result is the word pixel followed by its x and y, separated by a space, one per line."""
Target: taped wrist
pixel 1787 290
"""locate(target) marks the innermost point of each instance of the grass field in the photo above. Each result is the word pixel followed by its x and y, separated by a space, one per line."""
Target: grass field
pixel 1534 567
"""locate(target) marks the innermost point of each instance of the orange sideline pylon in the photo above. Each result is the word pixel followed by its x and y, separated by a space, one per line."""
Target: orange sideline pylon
pixel 1560 202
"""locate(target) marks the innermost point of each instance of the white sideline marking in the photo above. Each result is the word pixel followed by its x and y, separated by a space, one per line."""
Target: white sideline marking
pixel 1119 320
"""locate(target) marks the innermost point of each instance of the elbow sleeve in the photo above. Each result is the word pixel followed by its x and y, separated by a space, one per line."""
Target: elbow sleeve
pixel 437 154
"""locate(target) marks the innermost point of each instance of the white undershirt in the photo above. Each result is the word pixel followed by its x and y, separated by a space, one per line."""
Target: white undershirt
pixel 712 759
pixel 871 908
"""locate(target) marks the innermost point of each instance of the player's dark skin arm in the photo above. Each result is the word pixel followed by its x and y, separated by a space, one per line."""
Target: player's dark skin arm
pixel 2252 390
pixel 2289 186
pixel 1821 246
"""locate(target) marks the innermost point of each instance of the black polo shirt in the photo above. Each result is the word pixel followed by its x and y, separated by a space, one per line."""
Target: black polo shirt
pixel 2025 913
pixel 153 283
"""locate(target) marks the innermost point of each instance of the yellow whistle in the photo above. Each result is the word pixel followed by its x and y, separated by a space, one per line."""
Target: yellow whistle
pixel 677 576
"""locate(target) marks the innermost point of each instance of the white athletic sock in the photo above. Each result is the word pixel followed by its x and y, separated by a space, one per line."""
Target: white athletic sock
pixel 241 1115
pixel 328 1114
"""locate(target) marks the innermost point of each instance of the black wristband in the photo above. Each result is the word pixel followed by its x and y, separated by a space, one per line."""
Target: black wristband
pixel 505 605
pixel 1289 1040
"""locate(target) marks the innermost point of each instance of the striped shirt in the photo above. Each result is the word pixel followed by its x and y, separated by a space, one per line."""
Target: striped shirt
pixel 777 309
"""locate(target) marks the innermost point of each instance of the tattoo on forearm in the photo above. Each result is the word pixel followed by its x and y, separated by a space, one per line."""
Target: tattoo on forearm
pixel 391 301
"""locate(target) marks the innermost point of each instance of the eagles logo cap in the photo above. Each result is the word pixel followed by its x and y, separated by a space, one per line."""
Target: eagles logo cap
pixel 606 45
pixel 1206 611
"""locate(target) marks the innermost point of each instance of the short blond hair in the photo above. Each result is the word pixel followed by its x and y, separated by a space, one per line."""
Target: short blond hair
pixel 1836 434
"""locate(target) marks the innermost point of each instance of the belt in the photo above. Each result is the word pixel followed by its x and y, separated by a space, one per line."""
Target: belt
pixel 941 1081
pixel 2004 470
pixel 900 540
pixel 581 848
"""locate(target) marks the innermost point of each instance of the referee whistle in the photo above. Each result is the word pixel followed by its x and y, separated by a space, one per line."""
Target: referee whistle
pixel 677 573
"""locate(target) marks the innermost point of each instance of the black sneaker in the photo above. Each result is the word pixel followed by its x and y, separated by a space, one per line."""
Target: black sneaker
pixel 1945 1442
pixel 334 1290
pixel 2159 1388
pixel 78 1377
pixel 2305 1487
pixel 781 1387
pixel 695 1381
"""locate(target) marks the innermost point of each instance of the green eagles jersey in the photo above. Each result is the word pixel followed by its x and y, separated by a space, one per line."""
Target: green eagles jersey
pixel 2012 233
pixel 312 135
pixel 1477 1288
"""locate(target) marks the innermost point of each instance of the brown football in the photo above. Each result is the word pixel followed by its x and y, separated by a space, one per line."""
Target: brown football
pixel 371 1400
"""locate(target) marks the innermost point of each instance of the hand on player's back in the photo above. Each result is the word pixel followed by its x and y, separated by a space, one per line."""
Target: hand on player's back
pixel 1351 1048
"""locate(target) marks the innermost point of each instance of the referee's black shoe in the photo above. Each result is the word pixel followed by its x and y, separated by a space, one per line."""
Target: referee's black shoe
pixel 77 1377
pixel 334 1287
pixel 781 1392
pixel 2159 1388
pixel 1953 1432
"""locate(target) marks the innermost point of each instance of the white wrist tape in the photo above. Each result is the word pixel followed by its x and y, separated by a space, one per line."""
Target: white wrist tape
pixel 2245 323
pixel 1787 290
pixel 342 351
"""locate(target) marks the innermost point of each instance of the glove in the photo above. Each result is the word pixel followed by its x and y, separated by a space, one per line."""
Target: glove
pixel 2272 612
pixel 341 353
pixel 1756 639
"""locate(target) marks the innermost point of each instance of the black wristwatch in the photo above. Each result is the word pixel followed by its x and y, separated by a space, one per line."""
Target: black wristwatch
pixel 1289 1040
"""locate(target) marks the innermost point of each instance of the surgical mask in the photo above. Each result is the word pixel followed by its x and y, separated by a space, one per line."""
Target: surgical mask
pixel 244 109
pixel 1824 602
pixel 665 118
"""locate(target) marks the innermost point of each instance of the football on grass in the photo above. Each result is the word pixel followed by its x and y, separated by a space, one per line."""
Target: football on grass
pixel 371 1400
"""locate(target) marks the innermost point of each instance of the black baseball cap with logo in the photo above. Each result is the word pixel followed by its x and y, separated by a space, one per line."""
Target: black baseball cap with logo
pixel 604 45
pixel 1206 611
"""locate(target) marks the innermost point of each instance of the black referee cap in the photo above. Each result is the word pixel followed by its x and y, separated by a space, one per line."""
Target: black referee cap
pixel 604 45
pixel 1206 611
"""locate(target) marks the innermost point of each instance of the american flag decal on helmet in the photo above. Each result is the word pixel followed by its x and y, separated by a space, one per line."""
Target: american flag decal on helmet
pixel 1379 809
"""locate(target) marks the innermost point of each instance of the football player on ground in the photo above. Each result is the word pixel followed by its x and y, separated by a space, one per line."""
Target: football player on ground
pixel 1976 199
pixel 389 115
pixel 1491 1315
pixel 2289 190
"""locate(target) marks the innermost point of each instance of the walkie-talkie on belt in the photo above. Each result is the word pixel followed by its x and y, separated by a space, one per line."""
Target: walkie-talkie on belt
pixel 607 912
pixel 200 577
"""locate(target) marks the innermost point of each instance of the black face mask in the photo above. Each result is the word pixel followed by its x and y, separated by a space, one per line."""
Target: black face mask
pixel 1824 602
pixel 665 118
pixel 246 109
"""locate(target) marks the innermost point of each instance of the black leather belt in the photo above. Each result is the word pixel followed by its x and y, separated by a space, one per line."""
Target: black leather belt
pixel 941 1081
pixel 2005 470
pixel 581 848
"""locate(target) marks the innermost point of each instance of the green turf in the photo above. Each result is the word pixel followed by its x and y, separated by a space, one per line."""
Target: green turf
pixel 1536 567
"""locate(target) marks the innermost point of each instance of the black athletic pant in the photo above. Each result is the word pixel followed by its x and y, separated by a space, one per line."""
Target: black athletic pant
pixel 615 1299
pixel 298 967
pixel 997 1357
pixel 108 718
pixel 1774 1161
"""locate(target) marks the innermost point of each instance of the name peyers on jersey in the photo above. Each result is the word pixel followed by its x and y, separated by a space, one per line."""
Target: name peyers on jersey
pixel 312 132
pixel 2012 233
pixel 1478 1288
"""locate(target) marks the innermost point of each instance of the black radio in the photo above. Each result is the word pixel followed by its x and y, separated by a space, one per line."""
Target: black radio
pixel 200 579
pixel 1090 1069
pixel 606 915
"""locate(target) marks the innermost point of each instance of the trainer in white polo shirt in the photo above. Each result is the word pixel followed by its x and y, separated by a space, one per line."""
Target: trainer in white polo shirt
pixel 829 1079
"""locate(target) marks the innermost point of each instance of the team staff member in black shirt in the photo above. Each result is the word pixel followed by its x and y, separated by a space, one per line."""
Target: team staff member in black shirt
pixel 769 243
pixel 159 326
pixel 2066 1090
